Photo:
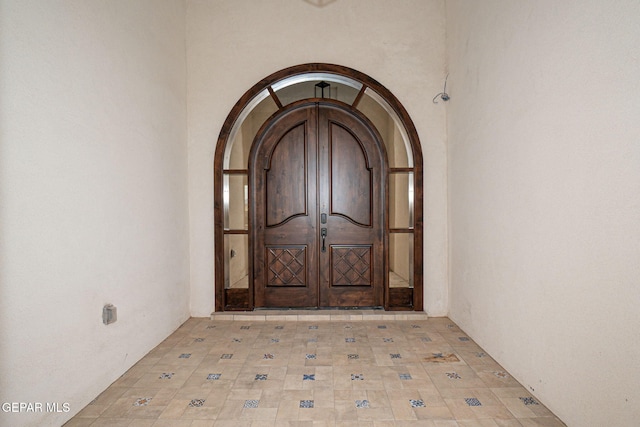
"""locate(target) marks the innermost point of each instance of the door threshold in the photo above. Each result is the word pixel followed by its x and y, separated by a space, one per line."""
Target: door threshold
pixel 379 308
pixel 285 315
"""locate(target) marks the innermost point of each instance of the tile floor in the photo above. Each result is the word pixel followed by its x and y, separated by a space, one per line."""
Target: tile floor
pixel 292 370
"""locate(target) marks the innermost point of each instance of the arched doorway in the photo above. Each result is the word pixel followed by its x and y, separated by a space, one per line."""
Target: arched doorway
pixel 396 263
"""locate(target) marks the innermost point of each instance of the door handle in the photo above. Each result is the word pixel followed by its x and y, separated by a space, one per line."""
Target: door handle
pixel 323 233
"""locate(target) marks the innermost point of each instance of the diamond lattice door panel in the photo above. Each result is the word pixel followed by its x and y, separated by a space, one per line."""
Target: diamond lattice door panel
pixel 351 265
pixel 287 266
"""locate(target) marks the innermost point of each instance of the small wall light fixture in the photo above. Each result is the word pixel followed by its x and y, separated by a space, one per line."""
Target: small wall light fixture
pixel 442 95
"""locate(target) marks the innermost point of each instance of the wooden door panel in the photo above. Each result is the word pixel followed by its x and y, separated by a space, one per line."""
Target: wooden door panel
pixel 350 176
pixel 286 192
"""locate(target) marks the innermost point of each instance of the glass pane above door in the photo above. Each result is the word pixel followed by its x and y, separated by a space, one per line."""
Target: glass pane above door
pixel 317 89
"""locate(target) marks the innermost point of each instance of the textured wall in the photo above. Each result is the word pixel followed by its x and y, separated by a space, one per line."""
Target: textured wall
pixel 231 45
pixel 93 194
pixel 544 175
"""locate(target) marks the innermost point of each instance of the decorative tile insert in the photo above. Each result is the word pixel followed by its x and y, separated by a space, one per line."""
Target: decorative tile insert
pixel 382 326
pixel 308 377
pixel 405 376
pixel 362 404
pixel 453 376
pixel 387 339
pixel 472 401
pixel 237 340
pixel 275 340
pixel 214 376
pixel 349 340
pixel 357 377
pixel 226 356
pixel 279 327
pixel 417 403
pixel 143 401
pixel 416 326
pixel 529 401
pixel 353 356
pixel 196 403
pixel 251 403
pixel 306 403
pixel 481 354
pixel 348 326
pixel 269 356
pixel 166 375
pixel 395 356
pixel 199 340
pixel 463 339
pixel 313 327
pixel 310 356
pixel 211 326
pixel 184 356
pixel 245 327
pixel 261 377
pixel 313 339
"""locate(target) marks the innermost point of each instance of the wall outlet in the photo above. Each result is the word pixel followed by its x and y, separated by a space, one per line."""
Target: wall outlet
pixel 109 314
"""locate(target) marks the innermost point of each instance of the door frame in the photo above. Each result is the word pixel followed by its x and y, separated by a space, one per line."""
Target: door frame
pixel 230 299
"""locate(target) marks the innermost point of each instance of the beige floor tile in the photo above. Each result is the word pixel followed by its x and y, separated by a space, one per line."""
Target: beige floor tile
pixel 402 409
pixel 142 422
pixel 173 423
pixel 542 422
pixel 434 413
pixel 79 422
pixel 522 410
pixel 175 409
pixel 92 411
pixel 112 422
pixel 489 422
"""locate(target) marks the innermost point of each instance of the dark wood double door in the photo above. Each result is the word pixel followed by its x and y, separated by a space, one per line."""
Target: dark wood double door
pixel 318 179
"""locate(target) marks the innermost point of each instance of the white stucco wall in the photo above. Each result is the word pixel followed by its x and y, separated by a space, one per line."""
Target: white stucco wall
pixel 93 194
pixel 232 44
pixel 544 161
